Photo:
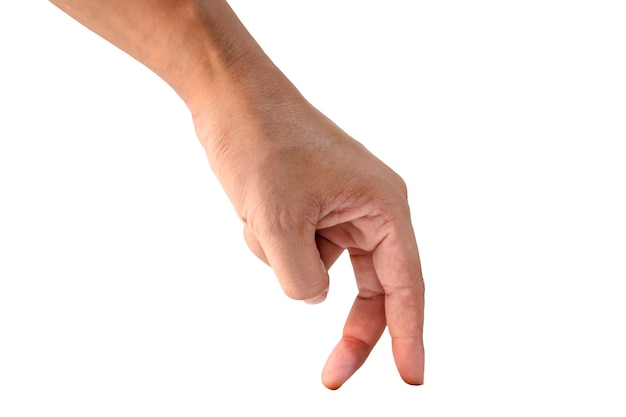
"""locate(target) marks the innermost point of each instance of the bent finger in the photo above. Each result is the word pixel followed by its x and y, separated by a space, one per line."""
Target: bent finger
pixel 296 261
pixel 254 245
pixel 329 252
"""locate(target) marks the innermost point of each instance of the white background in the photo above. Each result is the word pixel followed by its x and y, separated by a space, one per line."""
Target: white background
pixel 126 288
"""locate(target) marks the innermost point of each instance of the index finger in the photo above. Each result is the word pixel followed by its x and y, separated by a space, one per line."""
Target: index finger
pixel 397 263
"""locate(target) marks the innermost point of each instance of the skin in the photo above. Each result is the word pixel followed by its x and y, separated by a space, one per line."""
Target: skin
pixel 304 190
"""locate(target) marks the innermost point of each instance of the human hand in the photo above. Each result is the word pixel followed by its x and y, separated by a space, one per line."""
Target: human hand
pixel 304 189
pixel 306 192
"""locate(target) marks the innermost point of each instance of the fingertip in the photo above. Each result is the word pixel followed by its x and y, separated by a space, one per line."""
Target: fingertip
pixel 331 380
pixel 410 362
pixel 345 359
pixel 317 299
pixel 415 381
pixel 314 291
pixel 331 386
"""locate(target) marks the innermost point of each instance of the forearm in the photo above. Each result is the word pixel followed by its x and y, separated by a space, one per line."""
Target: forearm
pixel 199 47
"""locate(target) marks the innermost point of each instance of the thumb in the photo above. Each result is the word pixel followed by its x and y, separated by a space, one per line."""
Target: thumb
pixel 296 261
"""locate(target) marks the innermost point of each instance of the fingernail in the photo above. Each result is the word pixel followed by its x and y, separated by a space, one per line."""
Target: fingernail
pixel 318 299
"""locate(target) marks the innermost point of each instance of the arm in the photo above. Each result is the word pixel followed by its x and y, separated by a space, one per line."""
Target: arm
pixel 304 189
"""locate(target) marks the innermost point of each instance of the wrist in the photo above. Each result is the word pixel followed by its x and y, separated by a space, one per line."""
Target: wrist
pixel 253 94
pixel 223 75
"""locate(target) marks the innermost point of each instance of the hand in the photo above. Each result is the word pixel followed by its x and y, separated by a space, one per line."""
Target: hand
pixel 304 189
pixel 306 192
